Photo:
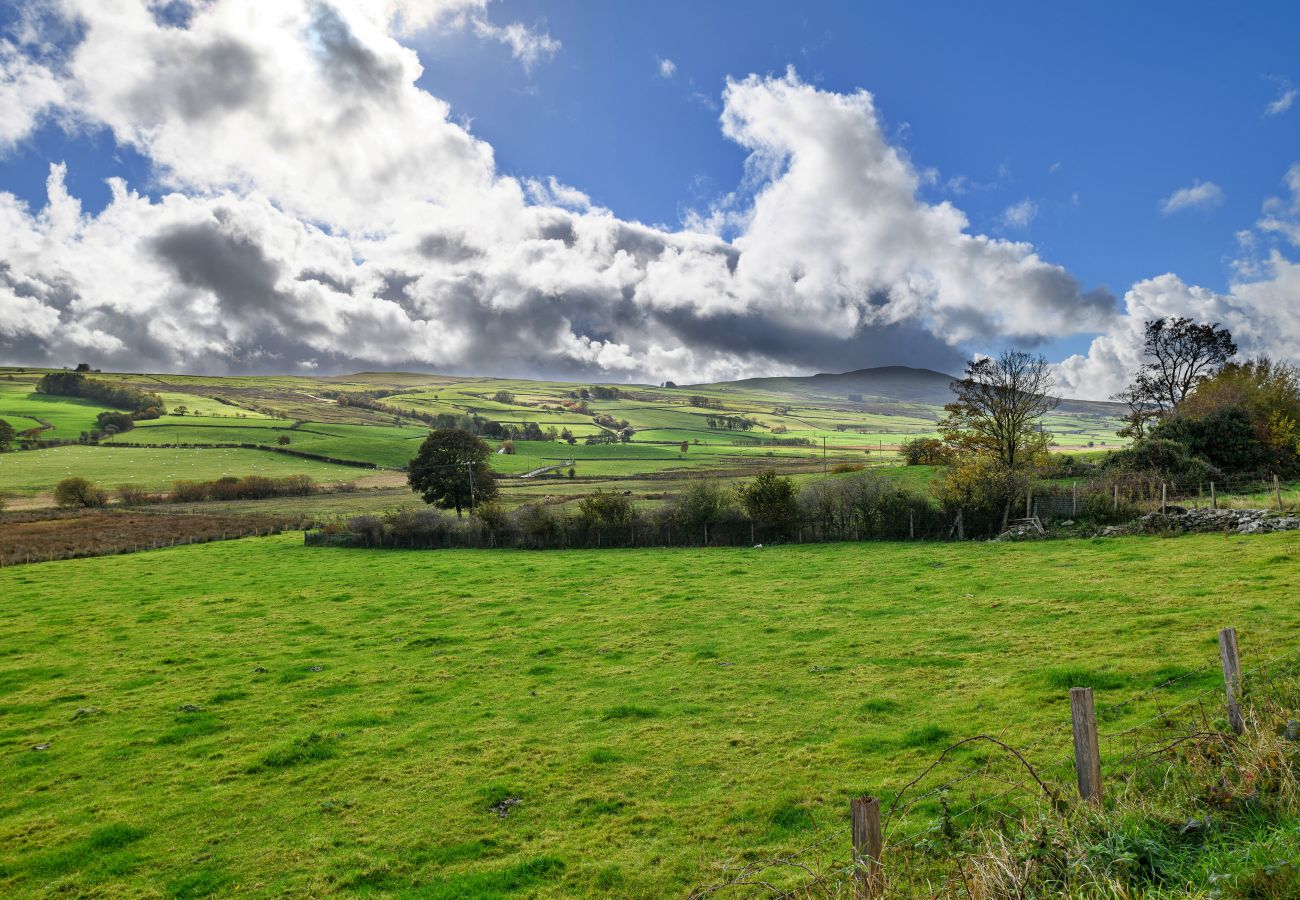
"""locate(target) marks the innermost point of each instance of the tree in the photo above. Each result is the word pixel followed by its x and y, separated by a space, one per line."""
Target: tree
pixel 684 447
pixel 1180 355
pixel 79 493
pixel 451 470
pixel 769 498
pixel 1141 410
pixel 504 397
pixel 602 510
pixel 925 452
pixel 6 435
pixel 999 404
pixel 283 440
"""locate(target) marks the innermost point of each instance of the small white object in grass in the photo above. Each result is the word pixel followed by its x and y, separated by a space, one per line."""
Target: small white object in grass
pixel 758 546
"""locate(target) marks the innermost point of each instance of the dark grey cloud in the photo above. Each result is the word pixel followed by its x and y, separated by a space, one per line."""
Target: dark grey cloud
pixel 448 248
pixel 198 82
pixel 206 257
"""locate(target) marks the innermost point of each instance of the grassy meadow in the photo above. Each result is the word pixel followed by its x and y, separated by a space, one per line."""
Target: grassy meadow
pixel 259 718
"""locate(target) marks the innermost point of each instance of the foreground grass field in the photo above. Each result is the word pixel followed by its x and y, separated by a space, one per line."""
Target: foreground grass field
pixel 261 718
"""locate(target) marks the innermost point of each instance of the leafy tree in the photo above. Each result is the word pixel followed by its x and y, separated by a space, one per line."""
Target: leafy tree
pixel 998 407
pixel 504 397
pixel 686 445
pixel 769 498
pixel 79 493
pixel 1268 392
pixel 925 452
pixel 6 435
pixel 451 470
pixel 1224 437
pixel 1167 458
pixel 283 440
pixel 1180 354
pixel 984 489
pixel 114 422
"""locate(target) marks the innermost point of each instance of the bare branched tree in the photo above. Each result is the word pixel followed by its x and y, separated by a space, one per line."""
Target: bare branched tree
pixel 1180 355
pixel 998 407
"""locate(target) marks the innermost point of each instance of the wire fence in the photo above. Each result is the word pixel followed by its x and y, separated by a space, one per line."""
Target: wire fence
pixel 942 828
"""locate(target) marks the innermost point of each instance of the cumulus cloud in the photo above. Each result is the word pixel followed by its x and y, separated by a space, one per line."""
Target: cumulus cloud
pixel 527 45
pixel 318 209
pixel 1260 306
pixel 1202 194
pixel 667 68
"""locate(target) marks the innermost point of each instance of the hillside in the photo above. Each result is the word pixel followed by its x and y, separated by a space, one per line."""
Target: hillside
pixel 902 385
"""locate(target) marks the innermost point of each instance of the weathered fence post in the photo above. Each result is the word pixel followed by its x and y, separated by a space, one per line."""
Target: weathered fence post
pixel 1231 677
pixel 1115 503
pixel 1029 502
pixel 1277 489
pixel 1164 497
pixel 1087 755
pixel 1214 497
pixel 961 527
pixel 864 817
pixel 911 525
pixel 1074 498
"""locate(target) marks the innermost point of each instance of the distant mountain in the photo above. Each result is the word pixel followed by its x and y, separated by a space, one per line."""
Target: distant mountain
pixel 885 385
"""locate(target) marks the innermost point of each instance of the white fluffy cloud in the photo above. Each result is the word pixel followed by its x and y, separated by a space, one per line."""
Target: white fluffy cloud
pixel 1261 308
pixel 321 210
pixel 1201 194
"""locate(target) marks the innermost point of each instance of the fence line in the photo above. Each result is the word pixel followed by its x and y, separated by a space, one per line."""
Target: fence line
pixel 894 851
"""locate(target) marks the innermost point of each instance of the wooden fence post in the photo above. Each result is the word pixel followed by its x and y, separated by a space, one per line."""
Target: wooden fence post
pixel 1074 498
pixel 1231 677
pixel 911 524
pixel 1277 489
pixel 1087 755
pixel 864 817
pixel 1214 497
pixel 961 526
pixel 1164 497
pixel 1115 504
pixel 1029 502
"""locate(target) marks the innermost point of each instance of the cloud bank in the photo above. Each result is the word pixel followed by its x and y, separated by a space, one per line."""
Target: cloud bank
pixel 320 211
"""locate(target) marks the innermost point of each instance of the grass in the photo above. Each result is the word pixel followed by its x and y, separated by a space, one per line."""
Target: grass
pixel 37 471
pixel 263 717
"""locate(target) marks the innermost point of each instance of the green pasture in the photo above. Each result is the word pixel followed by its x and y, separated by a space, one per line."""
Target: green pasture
pixel 21 407
pixel 260 717
pixel 38 471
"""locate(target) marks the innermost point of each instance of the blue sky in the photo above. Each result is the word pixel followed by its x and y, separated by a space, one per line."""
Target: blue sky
pixel 1117 104
pixel 1067 127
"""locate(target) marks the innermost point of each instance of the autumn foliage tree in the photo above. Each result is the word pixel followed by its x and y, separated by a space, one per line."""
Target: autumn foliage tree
pixel 451 470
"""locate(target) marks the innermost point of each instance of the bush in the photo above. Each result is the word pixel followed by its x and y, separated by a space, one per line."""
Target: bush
pixel 984 491
pixel 845 467
pixel 189 491
pixel 1225 438
pixel 493 516
pixel 769 499
pixel 602 510
pixel 704 502
pixel 283 440
pixel 78 493
pixel 1169 459
pixel 537 521
pixel 868 505
pixel 131 495
pixel 419 525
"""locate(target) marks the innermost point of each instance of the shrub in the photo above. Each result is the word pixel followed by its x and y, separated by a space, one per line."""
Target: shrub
pixel 493 515
pixel 421 525
pixel 1168 458
pixel 707 501
pixel 131 495
pixel 368 527
pixel 73 493
pixel 871 506
pixel 845 467
pixel 984 491
pixel 508 447
pixel 537 521
pixel 601 510
pixel 1226 438
pixel 769 498
pixel 283 440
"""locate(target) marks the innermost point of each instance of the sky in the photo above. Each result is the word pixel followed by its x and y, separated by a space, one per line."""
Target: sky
pixel 642 192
